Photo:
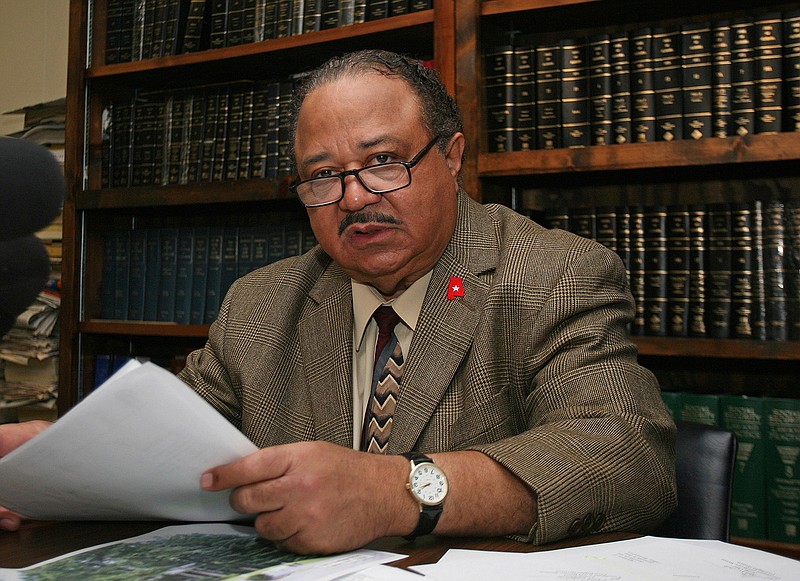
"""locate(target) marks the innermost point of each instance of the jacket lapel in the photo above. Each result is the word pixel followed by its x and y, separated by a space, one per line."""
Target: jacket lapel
pixel 446 328
pixel 326 338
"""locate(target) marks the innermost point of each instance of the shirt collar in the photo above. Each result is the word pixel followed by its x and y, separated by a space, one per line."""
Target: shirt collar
pixel 366 299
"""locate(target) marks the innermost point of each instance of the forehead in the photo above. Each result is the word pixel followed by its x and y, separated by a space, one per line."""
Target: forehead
pixel 359 101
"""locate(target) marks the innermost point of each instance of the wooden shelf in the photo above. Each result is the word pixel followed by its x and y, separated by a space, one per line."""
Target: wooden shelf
pixel 490 7
pixel 216 65
pixel 785 549
pixel 778 147
pixel 718 348
pixel 227 192
pixel 142 328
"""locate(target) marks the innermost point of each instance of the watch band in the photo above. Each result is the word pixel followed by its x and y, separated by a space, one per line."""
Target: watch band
pixel 428 515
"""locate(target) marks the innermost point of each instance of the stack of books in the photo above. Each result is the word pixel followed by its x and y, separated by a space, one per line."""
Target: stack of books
pixel 720 78
pixel 155 28
pixel 766 482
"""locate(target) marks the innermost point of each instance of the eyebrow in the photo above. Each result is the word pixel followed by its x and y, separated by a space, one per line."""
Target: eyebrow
pixel 364 145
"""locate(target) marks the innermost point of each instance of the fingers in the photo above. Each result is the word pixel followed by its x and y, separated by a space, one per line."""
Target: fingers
pixel 9 521
pixel 12 436
pixel 264 465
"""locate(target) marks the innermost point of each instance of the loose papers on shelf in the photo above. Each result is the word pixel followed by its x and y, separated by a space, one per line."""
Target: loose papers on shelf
pixel 133 449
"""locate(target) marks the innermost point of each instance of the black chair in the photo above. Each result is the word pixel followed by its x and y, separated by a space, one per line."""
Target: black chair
pixel 706 457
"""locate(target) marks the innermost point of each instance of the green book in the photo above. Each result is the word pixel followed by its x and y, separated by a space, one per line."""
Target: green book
pixel 783 469
pixel 744 416
pixel 672 401
pixel 700 408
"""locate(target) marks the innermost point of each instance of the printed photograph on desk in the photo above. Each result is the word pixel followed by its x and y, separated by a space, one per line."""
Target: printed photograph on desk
pixel 207 551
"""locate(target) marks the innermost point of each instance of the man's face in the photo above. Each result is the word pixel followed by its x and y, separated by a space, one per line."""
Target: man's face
pixel 390 240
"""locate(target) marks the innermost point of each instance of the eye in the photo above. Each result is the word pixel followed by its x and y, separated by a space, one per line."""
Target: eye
pixel 323 173
pixel 382 158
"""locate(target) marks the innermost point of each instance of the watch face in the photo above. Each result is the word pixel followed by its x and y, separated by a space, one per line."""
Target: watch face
pixel 428 484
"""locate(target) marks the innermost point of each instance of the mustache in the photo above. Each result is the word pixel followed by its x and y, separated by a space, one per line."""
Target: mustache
pixel 366 218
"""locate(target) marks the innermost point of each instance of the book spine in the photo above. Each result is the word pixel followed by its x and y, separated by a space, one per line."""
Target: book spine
pixel 213 275
pixel 759 280
pixel 284 118
pixel 523 99
pixel 744 416
pixel 699 408
pixel 251 28
pixel 178 137
pixel 548 97
pixel 330 14
pixel 312 17
pixel 360 11
pixel 152 273
pixel 696 313
pixel 218 27
pixel 276 243
pixel 377 9
pixel 196 126
pixel 398 7
pixel 168 249
pixel 718 304
pixel 137 275
pixel 220 135
pixel 791 71
pixel 199 275
pixel 774 271
pixel 108 283
pixel 575 131
pixel 246 142
pixel 258 128
pixel 667 84
pixel 234 27
pixel 620 89
pixel 655 270
pixel 183 276
pixel 743 99
pixel 346 12
pixel 122 249
pixel 499 91
pixel 273 128
pixel 696 66
pixel 230 247
pixel 605 226
pixel 114 21
pixel 721 88
pixel 678 261
pixel 582 222
pixel 637 268
pixel 196 25
pixel 160 8
pixel 244 256
pixel 783 469
pixel 233 138
pixel 792 267
pixel 742 271
pixel 267 19
pixel 643 110
pixel 600 115
pixel 623 236
pixel 768 73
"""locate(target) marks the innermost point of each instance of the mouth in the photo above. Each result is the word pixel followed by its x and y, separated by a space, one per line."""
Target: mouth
pixel 366 224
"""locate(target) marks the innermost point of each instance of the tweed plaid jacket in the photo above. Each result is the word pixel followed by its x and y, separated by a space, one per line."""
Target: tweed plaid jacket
pixel 532 366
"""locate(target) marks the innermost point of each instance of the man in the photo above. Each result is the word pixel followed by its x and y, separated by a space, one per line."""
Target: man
pixel 516 377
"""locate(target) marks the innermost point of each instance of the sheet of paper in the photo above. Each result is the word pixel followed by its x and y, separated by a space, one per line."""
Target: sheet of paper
pixel 207 551
pixel 133 449
pixel 651 558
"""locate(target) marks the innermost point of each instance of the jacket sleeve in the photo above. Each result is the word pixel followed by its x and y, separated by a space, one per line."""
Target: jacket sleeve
pixel 599 449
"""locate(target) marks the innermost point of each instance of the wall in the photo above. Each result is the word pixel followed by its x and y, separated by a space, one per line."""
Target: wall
pixel 33 55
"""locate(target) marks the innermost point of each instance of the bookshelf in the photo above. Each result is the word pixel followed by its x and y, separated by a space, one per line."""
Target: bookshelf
pixel 723 170
pixel 455 34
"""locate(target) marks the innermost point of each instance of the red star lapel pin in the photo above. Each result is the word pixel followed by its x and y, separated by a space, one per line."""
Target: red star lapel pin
pixel 456 288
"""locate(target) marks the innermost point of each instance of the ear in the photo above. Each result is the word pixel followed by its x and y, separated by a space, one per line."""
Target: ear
pixel 455 151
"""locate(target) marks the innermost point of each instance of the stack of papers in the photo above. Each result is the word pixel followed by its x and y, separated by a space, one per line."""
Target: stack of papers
pixel 132 450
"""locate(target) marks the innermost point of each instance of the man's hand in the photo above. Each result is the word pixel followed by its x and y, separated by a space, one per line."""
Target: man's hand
pixel 11 437
pixel 316 497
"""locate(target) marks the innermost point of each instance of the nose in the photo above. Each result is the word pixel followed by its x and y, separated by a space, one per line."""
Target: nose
pixel 356 196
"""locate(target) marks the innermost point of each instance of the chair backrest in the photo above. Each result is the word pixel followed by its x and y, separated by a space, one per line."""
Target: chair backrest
pixel 705 461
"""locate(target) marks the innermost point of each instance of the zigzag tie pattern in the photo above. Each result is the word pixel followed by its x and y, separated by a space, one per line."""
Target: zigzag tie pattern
pixel 386 383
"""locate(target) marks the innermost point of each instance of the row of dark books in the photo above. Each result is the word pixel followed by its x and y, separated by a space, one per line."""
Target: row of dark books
pixel 107 364
pixel 723 270
pixel 213 133
pixel 145 29
pixel 766 480
pixel 180 275
pixel 719 78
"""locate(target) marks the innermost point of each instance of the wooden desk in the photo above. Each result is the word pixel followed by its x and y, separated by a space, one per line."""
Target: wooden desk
pixel 37 541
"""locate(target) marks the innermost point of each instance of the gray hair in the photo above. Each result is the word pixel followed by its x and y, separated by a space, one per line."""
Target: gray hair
pixel 440 114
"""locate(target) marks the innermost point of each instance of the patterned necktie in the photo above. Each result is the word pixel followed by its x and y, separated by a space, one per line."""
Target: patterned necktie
pixel 385 383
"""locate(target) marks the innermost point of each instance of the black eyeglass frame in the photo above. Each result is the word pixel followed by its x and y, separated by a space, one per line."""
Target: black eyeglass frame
pixel 355 172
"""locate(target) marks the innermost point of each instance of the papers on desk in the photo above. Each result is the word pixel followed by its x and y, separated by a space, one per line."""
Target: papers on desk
pixel 133 449
pixel 208 551
pixel 651 558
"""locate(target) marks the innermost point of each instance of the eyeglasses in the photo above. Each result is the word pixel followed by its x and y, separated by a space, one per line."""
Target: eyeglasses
pixel 377 179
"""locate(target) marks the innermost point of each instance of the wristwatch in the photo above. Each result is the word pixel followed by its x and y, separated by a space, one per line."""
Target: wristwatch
pixel 428 485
